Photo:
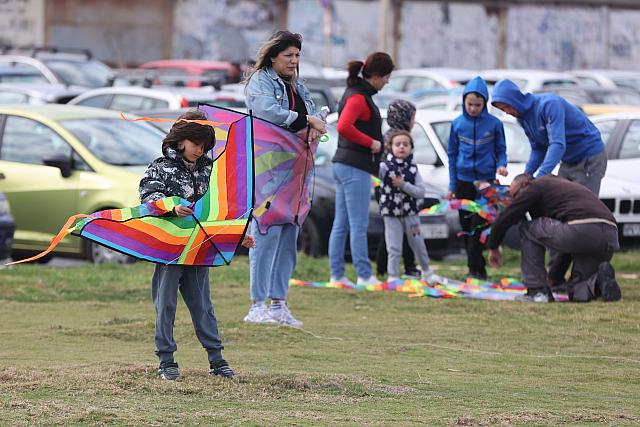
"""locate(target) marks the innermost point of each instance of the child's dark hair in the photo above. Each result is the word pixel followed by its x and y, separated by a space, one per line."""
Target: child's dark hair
pixel 393 134
pixel 194 132
pixel 376 64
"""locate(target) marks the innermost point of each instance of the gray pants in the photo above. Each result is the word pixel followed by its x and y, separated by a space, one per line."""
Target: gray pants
pixel 193 283
pixel 589 172
pixel 588 244
pixel 394 229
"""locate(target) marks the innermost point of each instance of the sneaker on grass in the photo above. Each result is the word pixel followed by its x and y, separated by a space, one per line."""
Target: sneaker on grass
pixel 221 368
pixel 342 280
pixel 606 283
pixel 258 313
pixel 283 316
pixel 539 297
pixel 371 280
pixel 169 371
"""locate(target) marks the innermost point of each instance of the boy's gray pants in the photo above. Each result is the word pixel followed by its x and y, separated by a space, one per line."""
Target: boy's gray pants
pixel 193 283
pixel 589 245
pixel 394 229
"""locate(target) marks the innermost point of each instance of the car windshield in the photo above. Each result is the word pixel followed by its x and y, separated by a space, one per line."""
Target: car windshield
pixel 80 73
pixel 118 142
pixel 622 98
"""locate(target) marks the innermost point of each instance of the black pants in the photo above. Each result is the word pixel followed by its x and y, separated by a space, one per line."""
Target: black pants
pixel 407 256
pixel 472 223
pixel 588 244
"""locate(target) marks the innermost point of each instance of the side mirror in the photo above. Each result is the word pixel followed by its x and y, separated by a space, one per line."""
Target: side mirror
pixel 61 162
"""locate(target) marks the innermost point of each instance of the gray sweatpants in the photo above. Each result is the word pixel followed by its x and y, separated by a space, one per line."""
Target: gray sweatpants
pixel 588 244
pixel 394 229
pixel 193 283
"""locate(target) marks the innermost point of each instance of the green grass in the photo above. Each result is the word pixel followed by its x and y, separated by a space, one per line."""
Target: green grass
pixel 77 348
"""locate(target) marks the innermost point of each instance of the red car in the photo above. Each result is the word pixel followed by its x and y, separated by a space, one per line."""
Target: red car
pixel 191 72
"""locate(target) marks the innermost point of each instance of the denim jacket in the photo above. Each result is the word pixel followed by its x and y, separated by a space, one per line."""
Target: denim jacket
pixel 268 99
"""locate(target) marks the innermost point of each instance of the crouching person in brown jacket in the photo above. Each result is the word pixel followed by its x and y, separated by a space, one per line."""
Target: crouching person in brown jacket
pixel 566 217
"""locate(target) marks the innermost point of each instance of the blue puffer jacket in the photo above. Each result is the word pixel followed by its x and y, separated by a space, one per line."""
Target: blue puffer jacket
pixel 557 130
pixel 476 144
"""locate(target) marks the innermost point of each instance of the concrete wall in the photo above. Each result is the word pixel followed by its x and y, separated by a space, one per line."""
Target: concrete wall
pixel 21 22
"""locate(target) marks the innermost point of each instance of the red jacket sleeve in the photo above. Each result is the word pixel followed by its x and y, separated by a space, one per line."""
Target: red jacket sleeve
pixel 355 108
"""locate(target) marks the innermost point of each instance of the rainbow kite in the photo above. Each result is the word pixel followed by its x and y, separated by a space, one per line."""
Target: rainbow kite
pixel 282 169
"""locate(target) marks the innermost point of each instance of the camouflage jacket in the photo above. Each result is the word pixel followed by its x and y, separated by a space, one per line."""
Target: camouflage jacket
pixel 169 176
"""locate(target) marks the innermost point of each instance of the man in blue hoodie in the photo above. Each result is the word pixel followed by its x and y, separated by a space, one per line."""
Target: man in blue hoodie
pixel 476 152
pixel 558 133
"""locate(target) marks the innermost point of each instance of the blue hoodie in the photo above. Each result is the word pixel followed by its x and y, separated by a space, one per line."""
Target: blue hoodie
pixel 557 130
pixel 476 144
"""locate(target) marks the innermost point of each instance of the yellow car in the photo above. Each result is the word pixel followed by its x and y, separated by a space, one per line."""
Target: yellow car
pixel 60 160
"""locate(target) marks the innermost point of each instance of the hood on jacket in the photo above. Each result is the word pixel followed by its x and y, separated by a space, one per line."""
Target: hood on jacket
pixel 477 85
pixel 507 92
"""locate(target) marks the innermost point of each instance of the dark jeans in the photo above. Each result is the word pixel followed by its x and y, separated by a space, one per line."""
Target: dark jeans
pixel 471 223
pixel 588 244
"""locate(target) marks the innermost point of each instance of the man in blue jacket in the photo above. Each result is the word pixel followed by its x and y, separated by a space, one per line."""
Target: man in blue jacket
pixel 476 152
pixel 558 133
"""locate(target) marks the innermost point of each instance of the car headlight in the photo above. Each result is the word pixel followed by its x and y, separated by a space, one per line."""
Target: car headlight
pixel 4 207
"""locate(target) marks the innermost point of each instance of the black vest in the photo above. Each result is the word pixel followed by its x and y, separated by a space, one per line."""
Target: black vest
pixel 357 155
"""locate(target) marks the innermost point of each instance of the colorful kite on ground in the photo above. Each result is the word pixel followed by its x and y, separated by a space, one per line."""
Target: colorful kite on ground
pixel 507 289
pixel 282 170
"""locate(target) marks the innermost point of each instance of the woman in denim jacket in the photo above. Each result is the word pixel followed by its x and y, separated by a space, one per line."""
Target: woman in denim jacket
pixel 275 94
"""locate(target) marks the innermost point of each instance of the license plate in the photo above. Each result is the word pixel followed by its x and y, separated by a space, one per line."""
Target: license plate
pixel 631 230
pixel 434 231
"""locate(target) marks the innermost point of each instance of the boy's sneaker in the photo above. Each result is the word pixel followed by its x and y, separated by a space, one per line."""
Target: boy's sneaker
pixel 412 274
pixel 392 278
pixel 432 278
pixel 539 297
pixel 606 283
pixel 258 313
pixel 342 280
pixel 169 371
pixel 221 368
pixel 283 316
pixel 371 280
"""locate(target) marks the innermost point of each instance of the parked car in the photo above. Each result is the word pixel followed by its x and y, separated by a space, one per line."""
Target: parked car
pixel 36 93
pixel 130 98
pixel 529 80
pixel 71 67
pixel 193 72
pixel 428 81
pixel 60 160
pixel 623 79
pixel 9 74
pixel 621 133
pixel 7 227
pixel 598 100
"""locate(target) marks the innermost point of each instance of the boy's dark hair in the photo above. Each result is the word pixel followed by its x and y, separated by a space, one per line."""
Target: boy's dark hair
pixel 194 132
pixel 376 64
pixel 393 134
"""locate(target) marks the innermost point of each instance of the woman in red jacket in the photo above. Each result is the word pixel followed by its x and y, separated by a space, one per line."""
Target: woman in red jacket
pixel 356 159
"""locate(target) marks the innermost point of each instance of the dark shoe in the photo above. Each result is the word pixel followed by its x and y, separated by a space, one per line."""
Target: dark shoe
pixel 537 296
pixel 413 273
pixel 169 371
pixel 480 275
pixel 221 367
pixel 559 287
pixel 606 284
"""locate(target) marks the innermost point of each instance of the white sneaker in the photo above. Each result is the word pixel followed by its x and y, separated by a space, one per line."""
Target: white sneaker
pixel 372 280
pixel 283 316
pixel 392 278
pixel 258 313
pixel 342 280
pixel 432 278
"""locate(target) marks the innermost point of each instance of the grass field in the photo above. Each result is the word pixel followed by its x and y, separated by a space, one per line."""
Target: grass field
pixel 77 349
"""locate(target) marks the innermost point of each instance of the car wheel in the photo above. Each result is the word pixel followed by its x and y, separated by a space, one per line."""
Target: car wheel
pixel 309 239
pixel 99 254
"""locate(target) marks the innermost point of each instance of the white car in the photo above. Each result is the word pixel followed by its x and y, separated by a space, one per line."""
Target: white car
pixel 428 81
pixel 625 79
pixel 529 80
pixel 620 189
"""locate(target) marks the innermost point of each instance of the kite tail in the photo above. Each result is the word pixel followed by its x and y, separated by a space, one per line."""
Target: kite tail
pixel 54 242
